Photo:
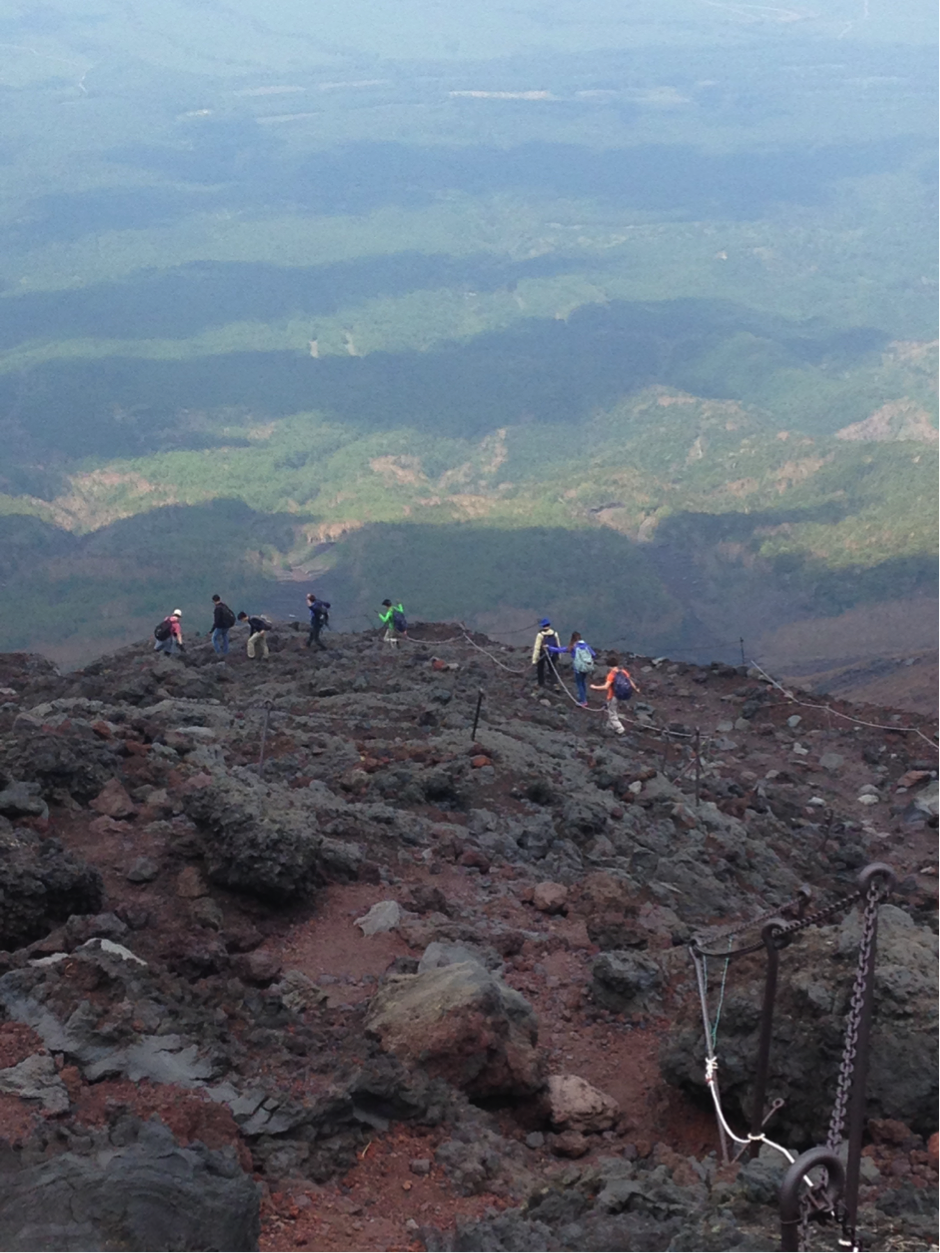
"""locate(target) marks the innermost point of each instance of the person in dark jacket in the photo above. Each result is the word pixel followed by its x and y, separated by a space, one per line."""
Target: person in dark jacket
pixel 319 618
pixel 546 636
pixel 257 629
pixel 582 663
pixel 222 622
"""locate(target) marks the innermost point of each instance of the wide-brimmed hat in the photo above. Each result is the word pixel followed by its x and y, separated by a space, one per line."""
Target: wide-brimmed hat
pixel 545 622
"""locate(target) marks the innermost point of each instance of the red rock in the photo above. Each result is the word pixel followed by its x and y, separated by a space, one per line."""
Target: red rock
pixel 933 1147
pixel 108 826
pixel 549 898
pixel 261 966
pixel 135 748
pixel 190 884
pixel 912 778
pixel 569 1144
pixel 103 730
pixel 195 782
pixel 478 762
pixel 113 800
pixel 474 857
pixel 889 1131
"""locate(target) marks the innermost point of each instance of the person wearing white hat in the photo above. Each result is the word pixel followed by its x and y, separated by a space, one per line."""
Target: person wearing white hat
pixel 168 634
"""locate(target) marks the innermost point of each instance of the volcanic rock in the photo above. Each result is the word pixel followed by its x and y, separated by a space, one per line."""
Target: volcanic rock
pixel 40 885
pixel 814 990
pixel 150 1195
pixel 577 1105
pixel 462 1024
pixel 625 980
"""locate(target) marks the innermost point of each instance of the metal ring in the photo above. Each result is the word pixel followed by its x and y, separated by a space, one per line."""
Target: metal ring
pixel 775 933
pixel 876 870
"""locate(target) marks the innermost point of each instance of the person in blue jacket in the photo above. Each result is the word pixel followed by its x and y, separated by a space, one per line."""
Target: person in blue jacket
pixel 319 618
pixel 582 662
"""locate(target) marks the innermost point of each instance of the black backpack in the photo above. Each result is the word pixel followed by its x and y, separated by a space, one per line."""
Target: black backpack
pixel 226 617
pixel 162 630
pixel 399 621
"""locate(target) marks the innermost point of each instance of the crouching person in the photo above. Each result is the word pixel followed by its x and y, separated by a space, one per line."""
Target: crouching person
pixel 257 631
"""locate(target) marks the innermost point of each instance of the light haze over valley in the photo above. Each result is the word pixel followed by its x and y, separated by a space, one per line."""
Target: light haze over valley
pixel 624 314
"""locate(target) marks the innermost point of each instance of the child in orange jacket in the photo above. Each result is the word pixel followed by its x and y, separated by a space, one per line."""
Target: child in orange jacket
pixel 619 686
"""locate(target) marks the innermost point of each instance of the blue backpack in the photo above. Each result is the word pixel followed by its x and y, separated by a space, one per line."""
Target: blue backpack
pixel 581 658
pixel 399 621
pixel 623 688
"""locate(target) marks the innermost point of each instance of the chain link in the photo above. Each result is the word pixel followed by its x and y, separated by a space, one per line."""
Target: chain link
pixel 792 927
pixel 863 973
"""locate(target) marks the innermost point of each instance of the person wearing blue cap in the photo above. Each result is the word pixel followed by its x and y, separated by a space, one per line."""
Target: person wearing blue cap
pixel 540 655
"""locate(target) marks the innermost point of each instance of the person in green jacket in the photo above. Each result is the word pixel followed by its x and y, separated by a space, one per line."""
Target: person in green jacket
pixel 393 619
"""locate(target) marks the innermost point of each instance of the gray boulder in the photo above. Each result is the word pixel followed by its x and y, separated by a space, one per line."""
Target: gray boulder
pixel 150 1195
pixel 41 885
pixel 626 980
pixel 251 848
pixel 814 991
pixel 462 1024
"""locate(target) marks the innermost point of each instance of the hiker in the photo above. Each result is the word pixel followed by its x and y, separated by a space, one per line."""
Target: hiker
pixel 319 618
pixel 223 619
pixel 619 686
pixel 168 634
pixel 394 621
pixel 545 638
pixel 582 663
pixel 257 627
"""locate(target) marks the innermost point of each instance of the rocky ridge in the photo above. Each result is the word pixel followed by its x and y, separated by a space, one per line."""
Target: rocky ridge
pixel 401 986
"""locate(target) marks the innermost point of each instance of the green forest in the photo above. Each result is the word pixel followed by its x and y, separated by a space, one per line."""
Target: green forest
pixel 626 316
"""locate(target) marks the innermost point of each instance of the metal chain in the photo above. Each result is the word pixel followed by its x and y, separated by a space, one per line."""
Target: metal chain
pixel 710 934
pixel 787 929
pixel 863 973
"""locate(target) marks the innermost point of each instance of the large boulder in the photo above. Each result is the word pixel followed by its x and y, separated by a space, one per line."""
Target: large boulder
pixel 40 886
pixel 814 991
pixel 251 849
pixel 151 1194
pixel 71 762
pixel 463 1024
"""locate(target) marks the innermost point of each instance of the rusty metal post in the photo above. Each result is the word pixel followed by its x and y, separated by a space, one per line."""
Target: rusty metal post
pixel 770 934
pixel 476 716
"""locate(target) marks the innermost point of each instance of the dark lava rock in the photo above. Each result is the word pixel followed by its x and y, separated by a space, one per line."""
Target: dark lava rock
pixel 249 850
pixel 41 885
pixel 81 766
pixel 152 1194
pixel 814 991
pixel 625 980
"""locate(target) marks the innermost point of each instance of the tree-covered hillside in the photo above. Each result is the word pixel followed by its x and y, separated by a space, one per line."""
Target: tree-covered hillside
pixel 623 315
